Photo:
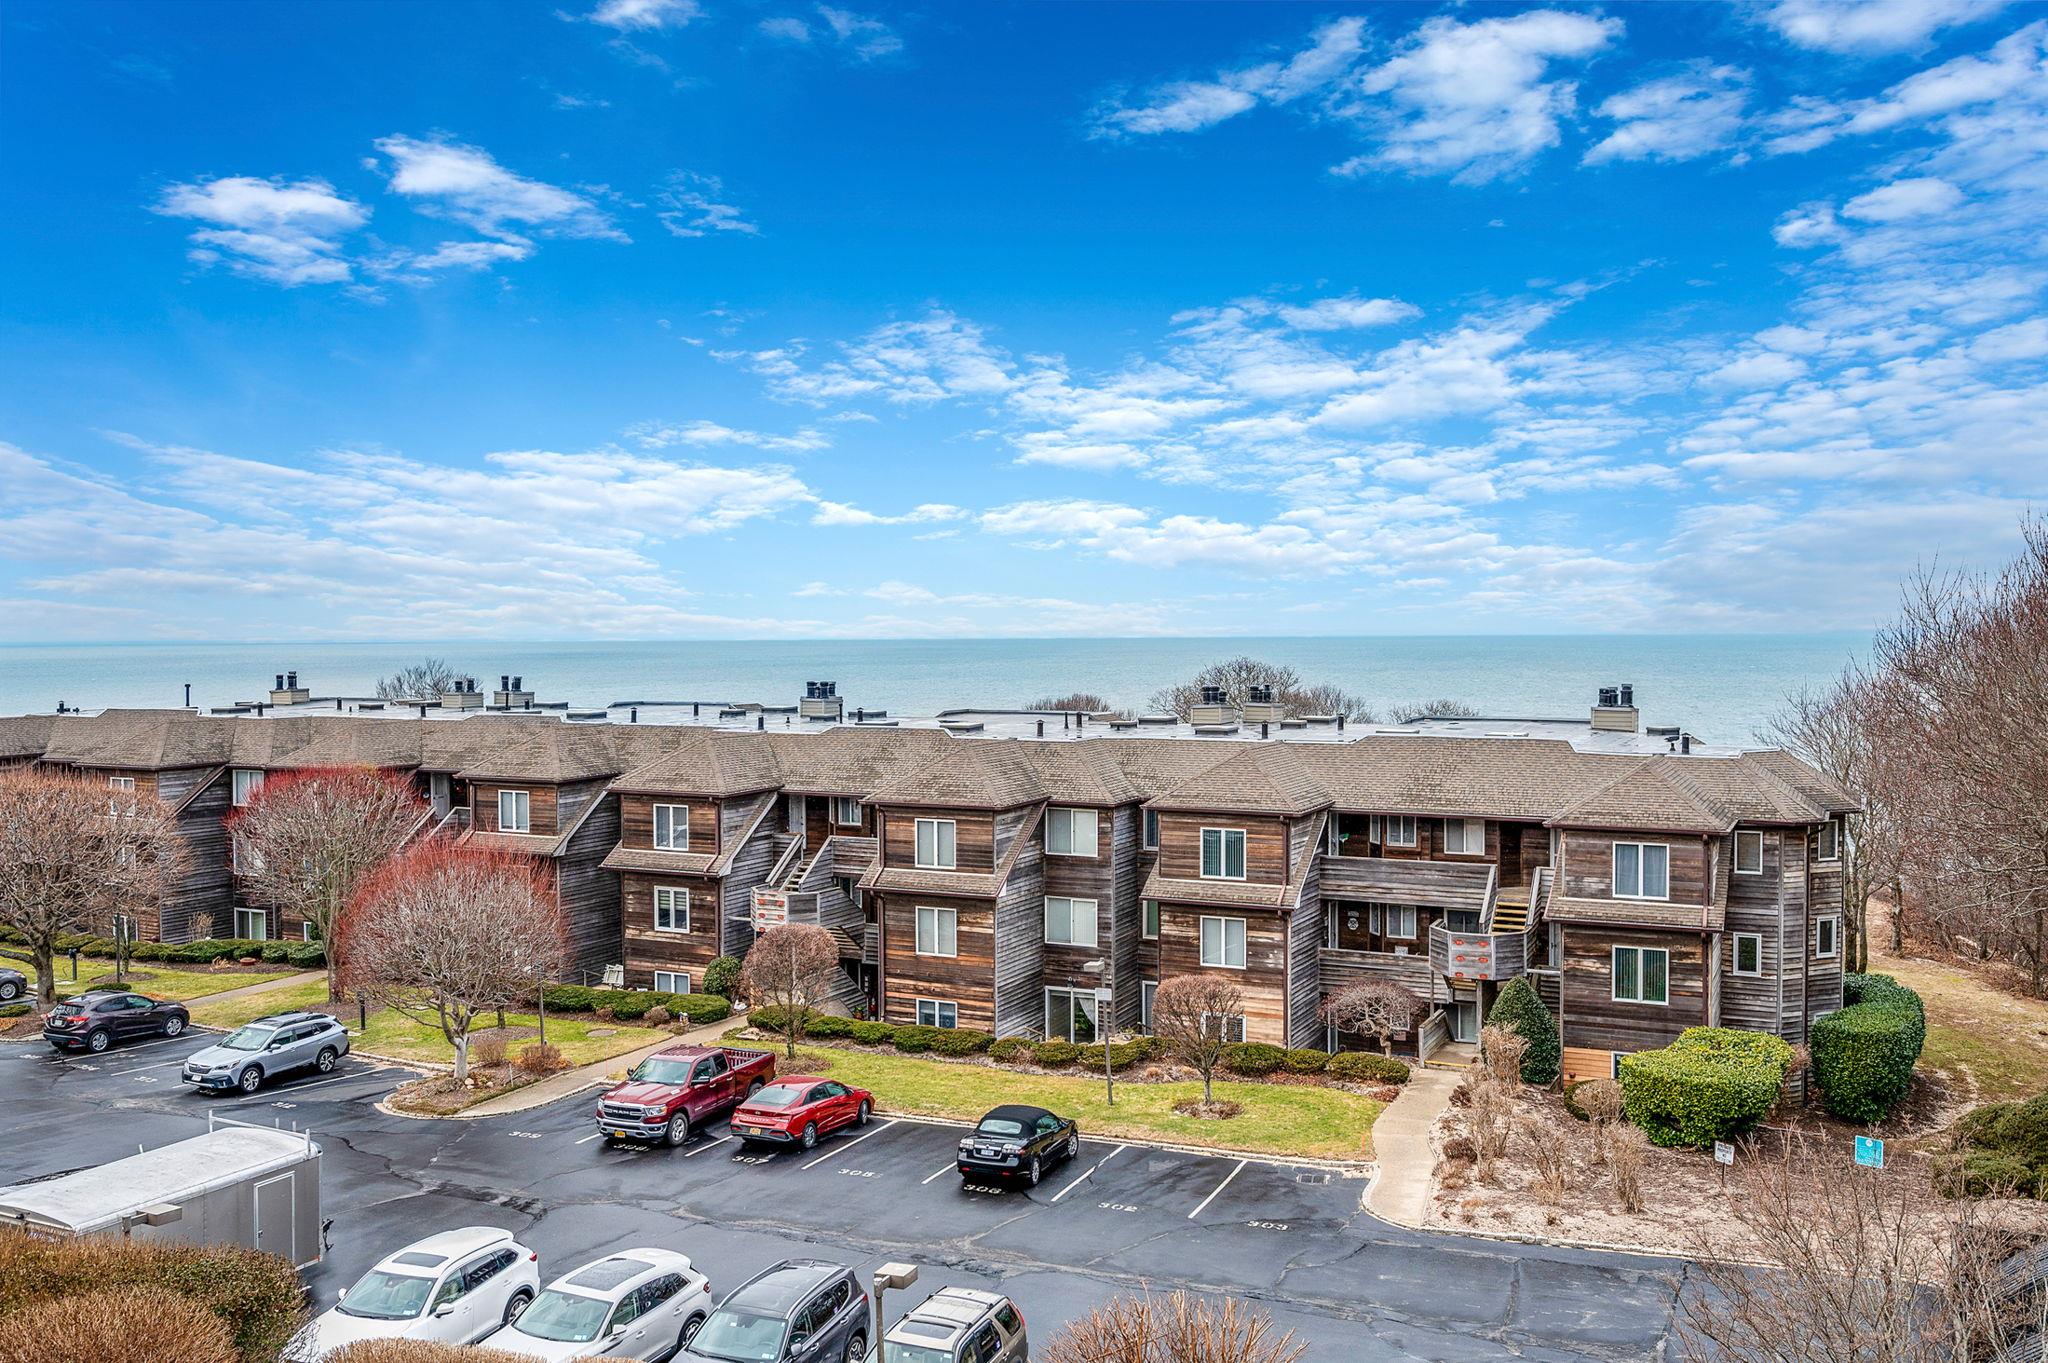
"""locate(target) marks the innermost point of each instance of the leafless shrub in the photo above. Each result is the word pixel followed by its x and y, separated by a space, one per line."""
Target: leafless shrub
pixel 420 1351
pixel 658 1016
pixel 1551 1148
pixel 1377 1008
pixel 789 976
pixel 542 1059
pixel 427 679
pixel 1501 1050
pixel 490 1051
pixel 126 1325
pixel 1627 1152
pixel 1600 1100
pixel 1188 1014
pixel 1489 1119
pixel 1084 701
pixel 1409 711
pixel 1181 1328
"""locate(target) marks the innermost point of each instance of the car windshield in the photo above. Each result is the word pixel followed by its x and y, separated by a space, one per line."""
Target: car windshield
pixel 659 1071
pixel 248 1038
pixel 740 1336
pixel 569 1317
pixel 387 1296
pixel 776 1095
pixel 1000 1126
pixel 892 1352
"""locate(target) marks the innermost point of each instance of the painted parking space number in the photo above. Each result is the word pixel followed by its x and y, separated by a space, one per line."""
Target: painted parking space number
pixel 1116 1207
pixel 525 1135
pixel 1268 1225
pixel 858 1173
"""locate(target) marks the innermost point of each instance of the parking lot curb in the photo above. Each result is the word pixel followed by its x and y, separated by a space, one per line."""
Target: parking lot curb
pixel 1546 1241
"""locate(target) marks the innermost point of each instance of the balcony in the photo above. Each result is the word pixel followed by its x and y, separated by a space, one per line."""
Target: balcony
pixel 1478 955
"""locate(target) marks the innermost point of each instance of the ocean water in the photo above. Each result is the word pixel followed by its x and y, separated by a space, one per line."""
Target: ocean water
pixel 1721 687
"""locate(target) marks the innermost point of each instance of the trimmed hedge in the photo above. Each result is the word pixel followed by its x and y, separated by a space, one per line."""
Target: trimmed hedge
pixel 915 1039
pixel 1863 1055
pixel 1055 1055
pixel 721 976
pixel 1011 1050
pixel 16 1010
pixel 1710 1084
pixel 1253 1059
pixel 1367 1067
pixel 630 1005
pixel 205 951
pixel 1520 1007
pixel 872 1033
pixel 960 1041
pixel 2002 1146
pixel 1303 1060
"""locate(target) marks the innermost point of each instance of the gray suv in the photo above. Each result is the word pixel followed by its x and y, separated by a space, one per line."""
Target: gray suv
pixel 959 1325
pixel 800 1311
pixel 265 1048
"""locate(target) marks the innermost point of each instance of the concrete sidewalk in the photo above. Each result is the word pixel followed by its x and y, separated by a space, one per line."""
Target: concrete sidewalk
pixel 1400 1138
pixel 556 1086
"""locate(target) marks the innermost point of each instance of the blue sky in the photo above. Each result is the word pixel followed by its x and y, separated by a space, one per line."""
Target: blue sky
pixel 662 318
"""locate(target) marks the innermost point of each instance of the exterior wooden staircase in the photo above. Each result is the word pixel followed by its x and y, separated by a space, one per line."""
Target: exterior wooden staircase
pixel 1511 911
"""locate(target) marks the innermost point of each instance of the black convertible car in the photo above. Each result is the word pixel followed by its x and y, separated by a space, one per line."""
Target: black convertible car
pixel 1014 1141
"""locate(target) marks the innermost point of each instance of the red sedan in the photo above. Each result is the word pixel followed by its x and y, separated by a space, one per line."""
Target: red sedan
pixel 797 1109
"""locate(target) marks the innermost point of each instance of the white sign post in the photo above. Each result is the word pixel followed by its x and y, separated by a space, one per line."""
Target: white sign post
pixel 1724 1155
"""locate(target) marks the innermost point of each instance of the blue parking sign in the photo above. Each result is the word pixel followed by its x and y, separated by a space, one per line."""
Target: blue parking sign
pixel 1870 1152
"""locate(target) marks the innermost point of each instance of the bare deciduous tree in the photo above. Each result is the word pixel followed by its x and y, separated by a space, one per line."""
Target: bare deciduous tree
pixel 1238 675
pixel 74 853
pixel 1181 1328
pixel 1409 711
pixel 1075 700
pixel 447 933
pixel 792 968
pixel 1191 1016
pixel 308 840
pixel 1377 1008
pixel 424 680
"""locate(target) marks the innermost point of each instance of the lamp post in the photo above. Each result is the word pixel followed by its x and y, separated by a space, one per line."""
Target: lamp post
pixel 887 1276
pixel 1104 1003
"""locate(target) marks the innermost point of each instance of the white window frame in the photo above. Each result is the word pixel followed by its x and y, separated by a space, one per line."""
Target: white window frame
pixel 1070 822
pixel 1332 844
pixel 1756 943
pixel 120 783
pixel 1223 962
pixel 1465 828
pixel 940 917
pixel 243 783
pixel 1748 837
pixel 1641 954
pixel 305 931
pixel 1398 914
pixel 523 801
pixel 1075 994
pixel 1148 829
pixel 1223 836
pixel 1391 822
pixel 1832 923
pixel 1148 920
pixel 678 819
pixel 664 898
pixel 1642 850
pixel 945 844
pixel 846 811
pixel 1075 912
pixel 1146 989
pixel 938 1016
pixel 678 981
pixel 262 922
pixel 1828 842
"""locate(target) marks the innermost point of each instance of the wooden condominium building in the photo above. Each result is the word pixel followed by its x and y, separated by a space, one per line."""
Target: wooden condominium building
pixel 1045 883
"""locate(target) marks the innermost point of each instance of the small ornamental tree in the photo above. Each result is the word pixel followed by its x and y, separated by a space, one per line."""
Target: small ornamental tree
pixel 1181 1328
pixel 1520 1008
pixel 308 840
pixel 1191 1017
pixel 1377 1008
pixel 74 853
pixel 790 971
pixel 446 933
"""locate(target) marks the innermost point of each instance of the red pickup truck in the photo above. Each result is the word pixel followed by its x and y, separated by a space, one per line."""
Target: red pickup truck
pixel 671 1091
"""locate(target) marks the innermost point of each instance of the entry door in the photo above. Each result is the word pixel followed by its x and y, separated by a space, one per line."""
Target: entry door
pixel 276 1215
pixel 1465 1022
pixel 793 816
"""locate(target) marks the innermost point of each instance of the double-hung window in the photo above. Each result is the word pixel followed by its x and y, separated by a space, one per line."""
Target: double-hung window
pixel 1465 837
pixel 1400 830
pixel 1830 841
pixel 1827 936
pixel 1642 870
pixel 1151 830
pixel 1224 1026
pixel 938 1013
pixel 672 828
pixel 1223 854
pixel 1748 953
pixel 120 783
pixel 515 812
pixel 1642 975
pixel 1400 921
pixel 845 811
pixel 1749 853
pixel 1070 832
pixel 1069 922
pixel 672 981
pixel 1223 942
pixel 244 785
pixel 1148 923
pixel 252 925
pixel 938 931
pixel 935 844
pixel 671 909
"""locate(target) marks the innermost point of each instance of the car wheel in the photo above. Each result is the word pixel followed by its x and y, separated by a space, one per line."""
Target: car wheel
pixel 324 1062
pixel 1031 1174
pixel 98 1042
pixel 860 1116
pixel 810 1135
pixel 251 1080
pixel 690 1329
pixel 1073 1145
pixel 9 991
pixel 173 1025
pixel 753 1088
pixel 520 1301
pixel 856 1349
pixel 678 1131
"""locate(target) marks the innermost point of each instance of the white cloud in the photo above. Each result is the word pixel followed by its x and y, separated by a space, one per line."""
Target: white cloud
pixel 936 357
pixel 843 513
pixel 1901 199
pixel 1674 118
pixel 2015 63
pixel 467 184
pixel 1472 100
pixel 861 36
pixel 688 206
pixel 1350 311
pixel 1192 105
pixel 1810 224
pixel 282 232
pixel 1872 26
pixel 659 435
pixel 626 15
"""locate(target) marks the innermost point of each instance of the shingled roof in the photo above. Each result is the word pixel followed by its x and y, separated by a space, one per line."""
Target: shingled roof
pixel 156 740
pixel 1253 778
pixel 978 773
pixel 1650 793
pixel 708 763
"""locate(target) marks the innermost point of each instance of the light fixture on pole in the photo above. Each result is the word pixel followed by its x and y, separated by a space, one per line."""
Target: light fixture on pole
pixel 1104 1000
pixel 891 1275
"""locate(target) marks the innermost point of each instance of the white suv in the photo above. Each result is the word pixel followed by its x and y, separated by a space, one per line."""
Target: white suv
pixel 455 1287
pixel 637 1303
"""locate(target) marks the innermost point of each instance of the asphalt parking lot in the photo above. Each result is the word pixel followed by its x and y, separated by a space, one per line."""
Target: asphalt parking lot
pixel 1293 1238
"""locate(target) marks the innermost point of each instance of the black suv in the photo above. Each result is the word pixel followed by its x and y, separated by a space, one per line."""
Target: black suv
pixel 1014 1141
pixel 98 1018
pixel 800 1311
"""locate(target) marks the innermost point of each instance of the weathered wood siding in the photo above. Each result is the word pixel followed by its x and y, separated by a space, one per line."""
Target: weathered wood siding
pixel 1091 878
pixel 974 837
pixel 201 903
pixel 648 948
pixel 749 866
pixel 636 821
pixel 966 980
pixel 541 815
pixel 1594 1020
pixel 1305 941
pixel 1020 949
pixel 1265 845
pixel 1126 914
pixel 1823 885
pixel 590 893
pixel 1588 871
pixel 1759 904
pixel 1262 982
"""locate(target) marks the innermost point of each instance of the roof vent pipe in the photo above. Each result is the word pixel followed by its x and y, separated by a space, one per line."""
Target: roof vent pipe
pixel 504 681
pixel 1628 695
pixel 696 709
pixel 280 683
pixel 635 713
pixel 188 695
pixel 1685 743
pixel 1041 728
pixel 1265 731
pixel 1340 721
pixel 519 683
pixel 291 681
pixel 760 721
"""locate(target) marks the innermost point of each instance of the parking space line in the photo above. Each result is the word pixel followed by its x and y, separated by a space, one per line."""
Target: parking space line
pixel 298 1088
pixel 835 1154
pixel 593 1136
pixel 160 1065
pixel 706 1146
pixel 948 1167
pixel 1218 1188
pixel 1090 1170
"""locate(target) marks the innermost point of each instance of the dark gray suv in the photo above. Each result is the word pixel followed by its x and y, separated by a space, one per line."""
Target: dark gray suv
pixel 266 1048
pixel 800 1311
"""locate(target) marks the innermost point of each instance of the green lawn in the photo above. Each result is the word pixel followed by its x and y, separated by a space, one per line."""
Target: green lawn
pixel 1278 1119
pixel 1997 1042
pixel 158 979
pixel 396 1035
